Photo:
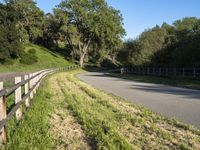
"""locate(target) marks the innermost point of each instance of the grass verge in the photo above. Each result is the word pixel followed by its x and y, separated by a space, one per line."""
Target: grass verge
pixel 32 131
pixel 112 123
pixel 70 114
pixel 179 82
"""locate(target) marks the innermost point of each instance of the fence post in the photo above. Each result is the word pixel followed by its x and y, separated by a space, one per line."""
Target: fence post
pixel 166 72
pixel 183 72
pixel 26 88
pixel 34 82
pixel 3 115
pixel 148 71
pixel 159 71
pixel 31 85
pixel 175 71
pixel 18 98
pixel 194 72
pixel 131 69
pixel 122 70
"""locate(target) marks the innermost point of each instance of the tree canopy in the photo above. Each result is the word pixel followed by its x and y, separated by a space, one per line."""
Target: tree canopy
pixel 21 22
pixel 92 31
pixel 9 37
pixel 93 27
pixel 31 19
pixel 176 45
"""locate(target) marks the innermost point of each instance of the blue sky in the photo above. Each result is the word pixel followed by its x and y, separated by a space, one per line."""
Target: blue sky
pixel 143 14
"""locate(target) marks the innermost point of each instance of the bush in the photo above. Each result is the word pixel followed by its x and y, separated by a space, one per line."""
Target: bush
pixel 9 62
pixel 29 58
pixel 32 51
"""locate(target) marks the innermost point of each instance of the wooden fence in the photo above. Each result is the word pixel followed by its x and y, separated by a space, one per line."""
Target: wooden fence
pixel 173 72
pixel 30 83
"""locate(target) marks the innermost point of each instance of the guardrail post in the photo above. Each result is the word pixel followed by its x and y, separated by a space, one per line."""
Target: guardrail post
pixel 26 88
pixel 18 98
pixel 3 115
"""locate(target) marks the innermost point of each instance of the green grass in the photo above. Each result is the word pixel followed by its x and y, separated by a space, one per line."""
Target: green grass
pixel 179 82
pixel 46 59
pixel 8 84
pixel 101 128
pixel 113 123
pixel 108 122
pixel 32 132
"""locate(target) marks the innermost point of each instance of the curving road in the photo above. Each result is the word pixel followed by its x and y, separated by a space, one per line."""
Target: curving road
pixel 180 103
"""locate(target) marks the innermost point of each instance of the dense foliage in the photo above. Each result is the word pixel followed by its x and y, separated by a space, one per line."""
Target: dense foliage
pixel 21 21
pixel 9 37
pixel 86 30
pixel 169 45
pixel 31 19
pixel 91 30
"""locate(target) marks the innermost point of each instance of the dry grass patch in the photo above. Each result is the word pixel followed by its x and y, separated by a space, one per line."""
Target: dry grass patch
pixel 68 134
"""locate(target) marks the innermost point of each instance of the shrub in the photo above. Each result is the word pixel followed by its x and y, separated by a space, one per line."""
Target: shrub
pixel 9 62
pixel 29 58
pixel 32 51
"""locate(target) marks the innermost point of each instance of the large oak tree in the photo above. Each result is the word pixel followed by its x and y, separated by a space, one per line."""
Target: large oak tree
pixel 91 24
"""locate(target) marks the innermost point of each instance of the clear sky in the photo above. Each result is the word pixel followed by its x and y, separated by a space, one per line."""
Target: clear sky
pixel 143 14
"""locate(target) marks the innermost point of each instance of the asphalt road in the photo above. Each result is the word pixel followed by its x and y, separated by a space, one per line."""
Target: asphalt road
pixel 180 103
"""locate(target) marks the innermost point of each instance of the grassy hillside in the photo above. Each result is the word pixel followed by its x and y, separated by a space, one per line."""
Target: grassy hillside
pixel 46 59
pixel 79 116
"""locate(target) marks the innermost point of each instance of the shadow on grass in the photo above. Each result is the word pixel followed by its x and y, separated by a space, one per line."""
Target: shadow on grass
pixel 64 52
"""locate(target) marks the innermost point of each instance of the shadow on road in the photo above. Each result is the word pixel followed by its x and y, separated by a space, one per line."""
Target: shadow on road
pixel 148 87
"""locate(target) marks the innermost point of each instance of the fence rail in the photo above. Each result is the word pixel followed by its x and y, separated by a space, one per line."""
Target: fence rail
pixel 31 83
pixel 174 72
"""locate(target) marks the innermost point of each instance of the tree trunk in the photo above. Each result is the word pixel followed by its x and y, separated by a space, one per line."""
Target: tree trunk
pixel 81 61
pixel 83 51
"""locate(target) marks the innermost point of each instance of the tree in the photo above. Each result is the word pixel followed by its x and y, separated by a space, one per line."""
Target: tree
pixel 31 19
pixel 91 24
pixel 52 28
pixel 149 43
pixel 11 45
pixel 176 45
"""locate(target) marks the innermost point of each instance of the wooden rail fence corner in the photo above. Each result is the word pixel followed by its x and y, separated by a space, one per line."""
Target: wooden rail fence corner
pixel 31 83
